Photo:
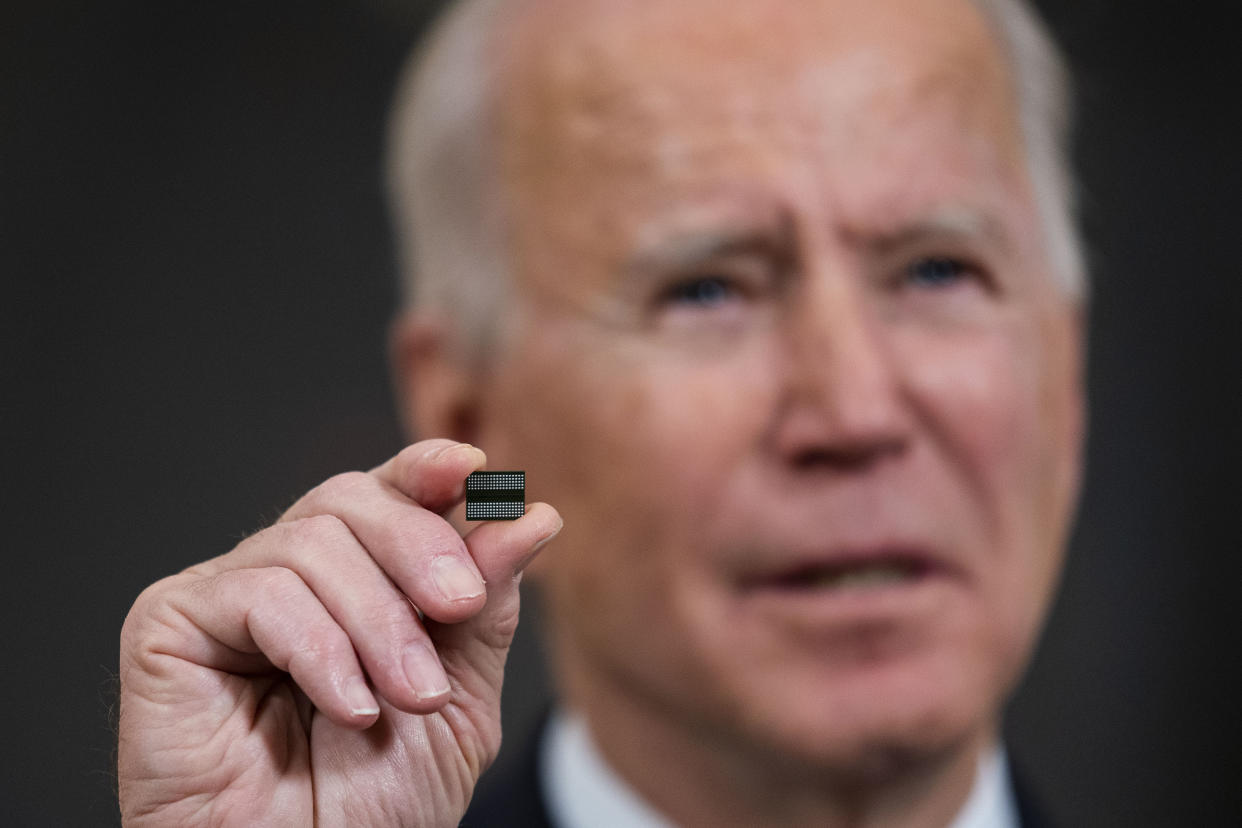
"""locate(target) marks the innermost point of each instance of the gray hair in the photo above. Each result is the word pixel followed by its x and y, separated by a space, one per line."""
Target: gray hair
pixel 441 169
pixel 1045 108
pixel 442 161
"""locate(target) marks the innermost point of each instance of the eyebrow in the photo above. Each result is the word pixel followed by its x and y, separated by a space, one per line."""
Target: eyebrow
pixel 686 250
pixel 746 224
pixel 692 248
pixel 951 222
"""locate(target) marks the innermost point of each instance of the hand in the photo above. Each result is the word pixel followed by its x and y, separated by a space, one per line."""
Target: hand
pixel 342 666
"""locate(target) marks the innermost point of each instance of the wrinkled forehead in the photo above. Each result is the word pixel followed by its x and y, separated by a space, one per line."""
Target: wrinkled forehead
pixel 578 71
pixel 624 124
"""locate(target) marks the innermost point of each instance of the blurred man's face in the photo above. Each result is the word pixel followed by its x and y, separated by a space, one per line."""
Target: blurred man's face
pixel 788 358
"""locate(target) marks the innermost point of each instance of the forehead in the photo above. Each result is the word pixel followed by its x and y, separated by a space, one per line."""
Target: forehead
pixel 571 61
pixel 647 100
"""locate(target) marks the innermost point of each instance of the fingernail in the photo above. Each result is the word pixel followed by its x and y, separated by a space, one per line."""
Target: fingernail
pixel 540 544
pixel 423 671
pixel 455 450
pixel 361 702
pixel 455 580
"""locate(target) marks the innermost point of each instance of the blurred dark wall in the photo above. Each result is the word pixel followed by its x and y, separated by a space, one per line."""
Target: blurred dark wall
pixel 197 279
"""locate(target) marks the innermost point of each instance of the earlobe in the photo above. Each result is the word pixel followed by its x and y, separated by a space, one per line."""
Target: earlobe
pixel 431 380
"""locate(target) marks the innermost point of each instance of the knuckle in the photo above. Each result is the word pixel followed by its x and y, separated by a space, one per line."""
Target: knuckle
pixel 393 535
pixel 507 618
pixel 323 643
pixel 394 618
pixel 318 532
pixel 418 536
pixel 430 531
pixel 156 624
pixel 153 594
pixel 142 615
pixel 344 486
pixel 281 585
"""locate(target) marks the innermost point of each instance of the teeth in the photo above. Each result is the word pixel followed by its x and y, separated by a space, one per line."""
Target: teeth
pixel 862 576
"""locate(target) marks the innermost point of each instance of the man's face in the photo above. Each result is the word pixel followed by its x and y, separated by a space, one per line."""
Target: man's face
pixel 788 358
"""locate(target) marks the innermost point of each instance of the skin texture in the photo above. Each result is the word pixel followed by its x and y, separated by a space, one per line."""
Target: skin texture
pixel 780 313
pixel 244 699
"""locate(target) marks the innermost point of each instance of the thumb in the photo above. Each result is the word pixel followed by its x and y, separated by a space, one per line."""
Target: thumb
pixel 473 652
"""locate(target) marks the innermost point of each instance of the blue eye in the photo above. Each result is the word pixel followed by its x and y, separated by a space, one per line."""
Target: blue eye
pixel 704 292
pixel 936 271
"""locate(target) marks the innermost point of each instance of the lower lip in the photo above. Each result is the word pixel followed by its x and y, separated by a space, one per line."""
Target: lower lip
pixel 911 599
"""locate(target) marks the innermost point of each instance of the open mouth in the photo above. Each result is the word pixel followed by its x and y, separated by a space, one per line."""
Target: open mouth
pixel 848 575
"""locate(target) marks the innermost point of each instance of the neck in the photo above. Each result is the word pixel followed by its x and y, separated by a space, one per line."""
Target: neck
pixel 699 778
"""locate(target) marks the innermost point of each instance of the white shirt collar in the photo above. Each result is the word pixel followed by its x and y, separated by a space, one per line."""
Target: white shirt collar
pixel 583 792
pixel 991 803
pixel 580 789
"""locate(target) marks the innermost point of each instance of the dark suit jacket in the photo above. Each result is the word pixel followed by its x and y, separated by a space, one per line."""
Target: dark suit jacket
pixel 515 799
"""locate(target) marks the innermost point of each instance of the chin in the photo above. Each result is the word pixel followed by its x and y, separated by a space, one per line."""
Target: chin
pixel 874 722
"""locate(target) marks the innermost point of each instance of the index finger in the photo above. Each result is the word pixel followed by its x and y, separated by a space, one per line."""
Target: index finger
pixel 432 473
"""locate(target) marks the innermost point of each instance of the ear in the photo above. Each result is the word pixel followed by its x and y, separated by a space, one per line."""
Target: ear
pixel 432 379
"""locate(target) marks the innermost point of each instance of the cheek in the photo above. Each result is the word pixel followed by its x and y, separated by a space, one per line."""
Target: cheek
pixel 1013 422
pixel 1000 408
pixel 977 395
pixel 630 442
pixel 641 426
pixel 698 420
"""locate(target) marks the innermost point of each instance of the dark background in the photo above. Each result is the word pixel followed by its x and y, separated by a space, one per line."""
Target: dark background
pixel 197 279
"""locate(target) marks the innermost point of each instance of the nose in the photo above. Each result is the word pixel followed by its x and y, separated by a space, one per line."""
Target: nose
pixel 842 405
